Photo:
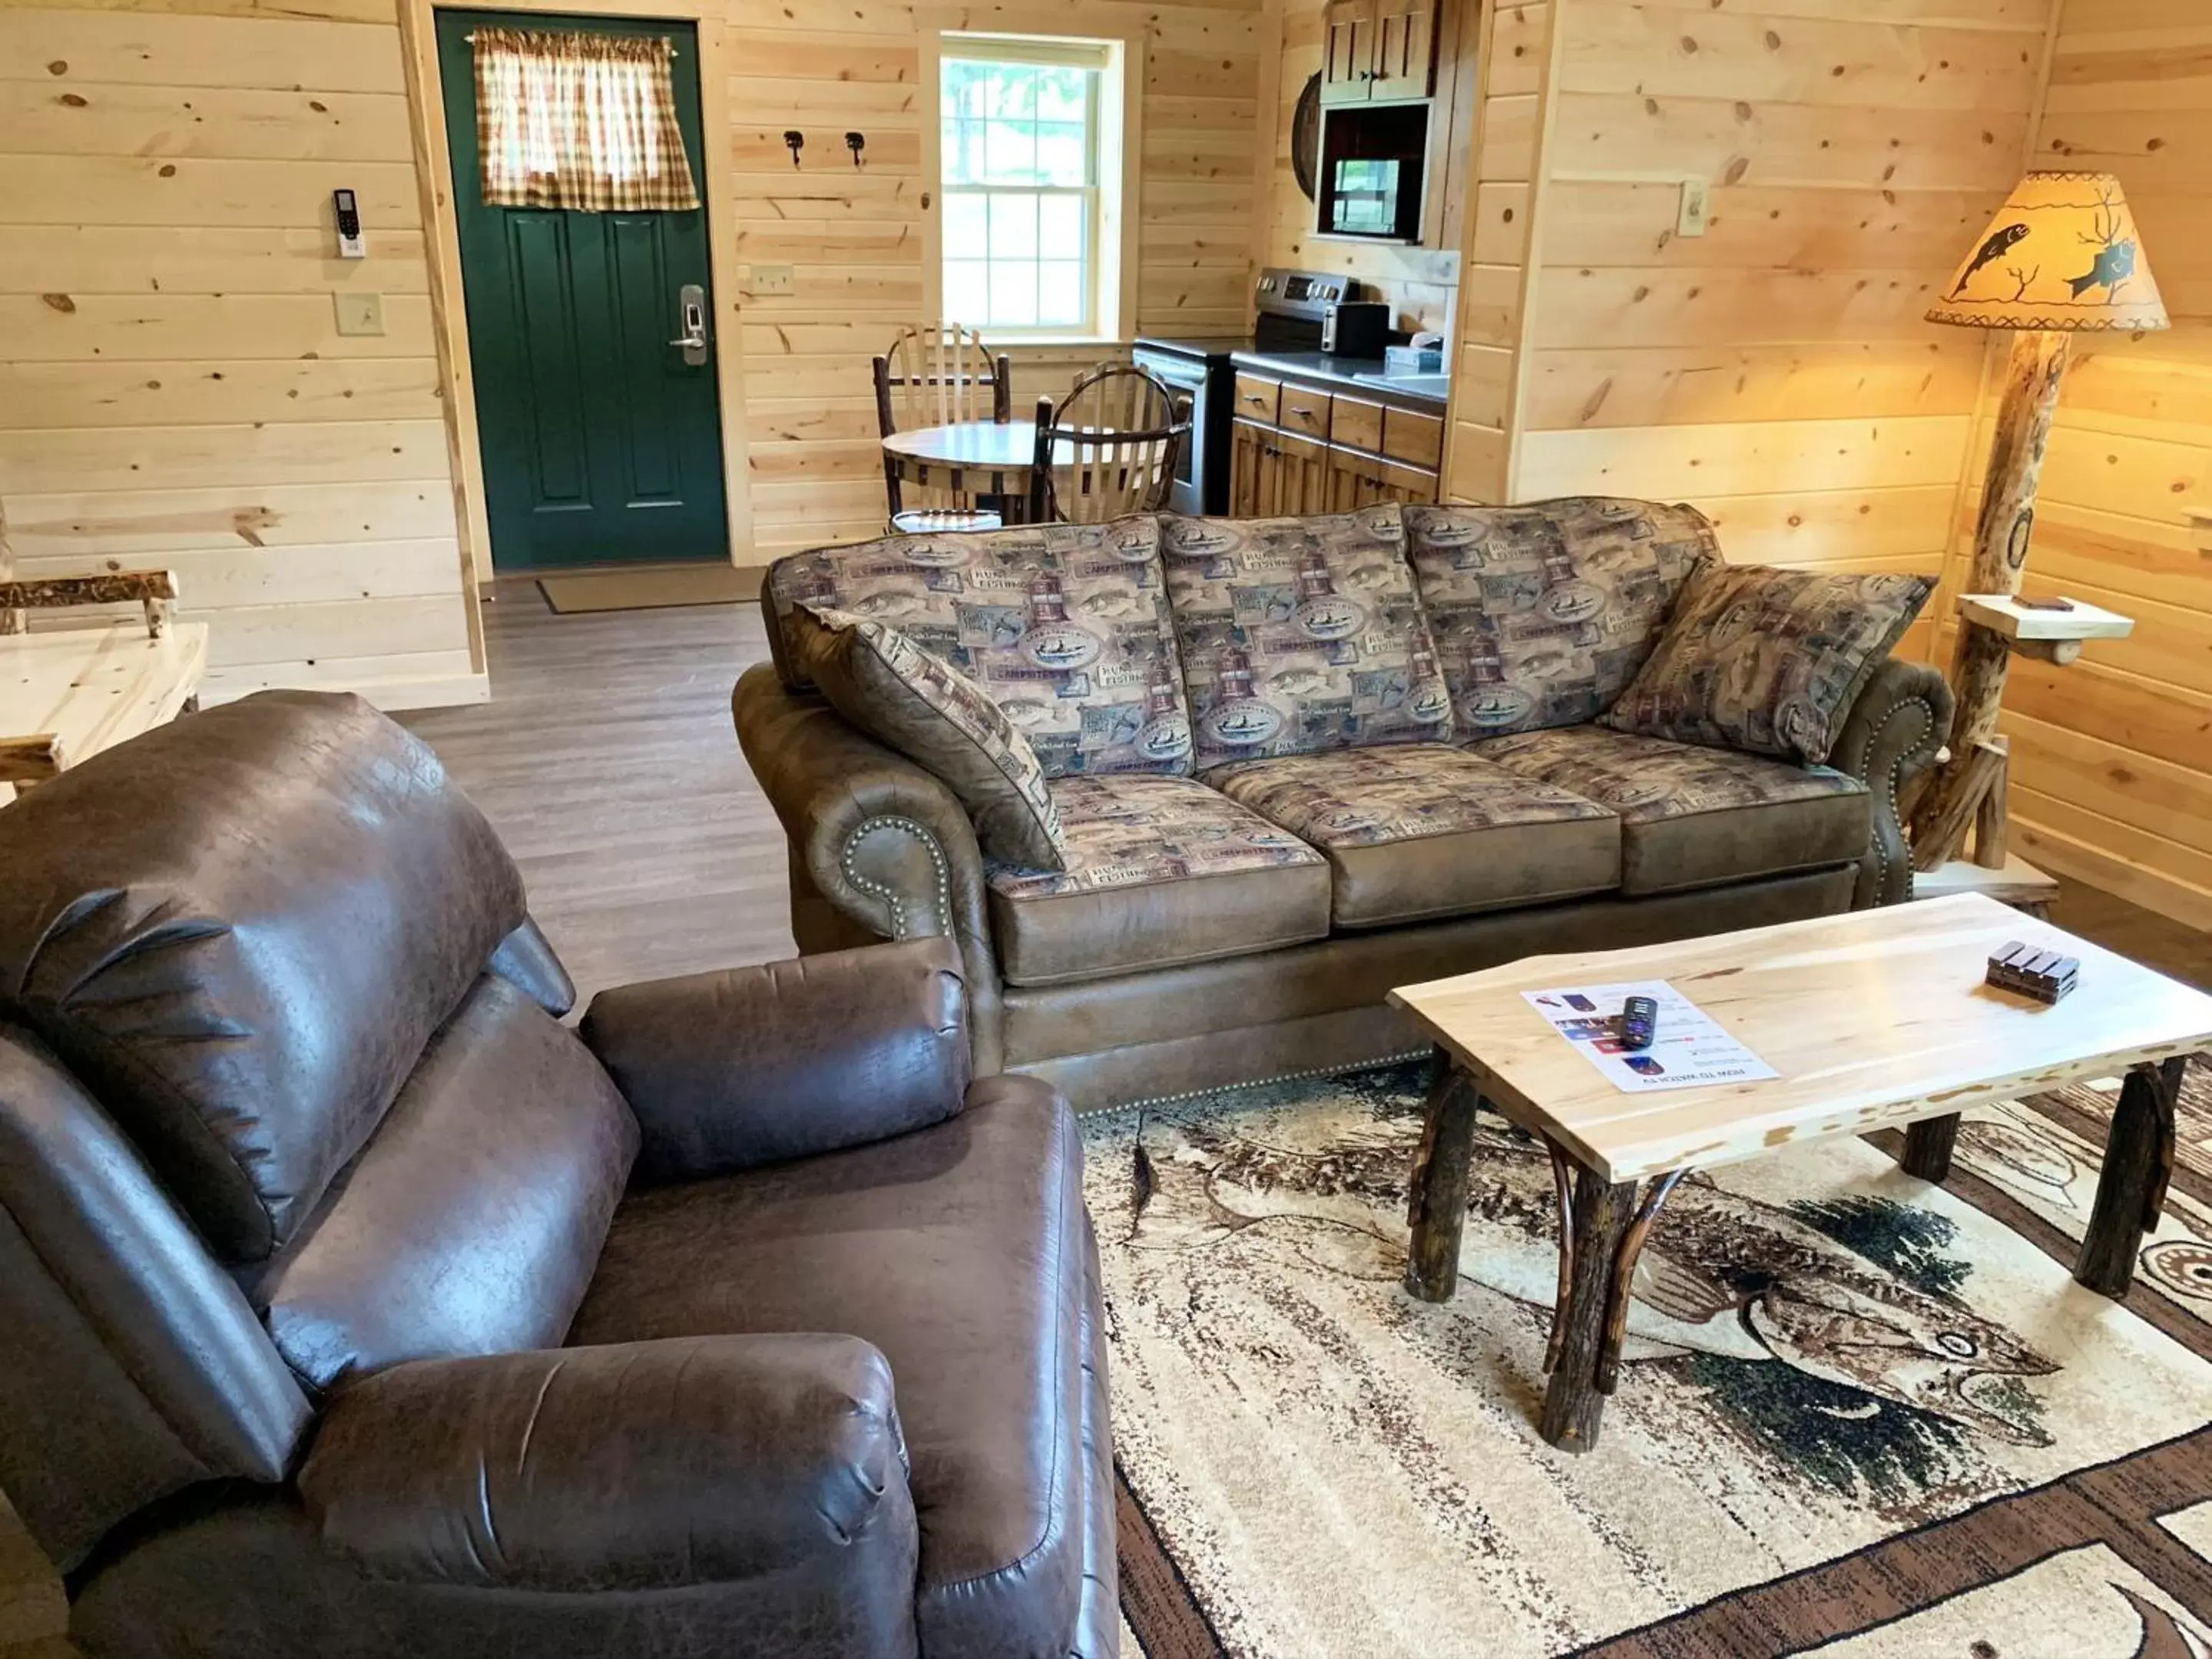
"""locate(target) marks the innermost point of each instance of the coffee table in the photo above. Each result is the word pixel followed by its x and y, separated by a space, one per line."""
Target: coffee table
pixel 1872 1019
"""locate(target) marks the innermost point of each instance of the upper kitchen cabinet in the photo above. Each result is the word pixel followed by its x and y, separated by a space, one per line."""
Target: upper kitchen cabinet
pixel 1376 50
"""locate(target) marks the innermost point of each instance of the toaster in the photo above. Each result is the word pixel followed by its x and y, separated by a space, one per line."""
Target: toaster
pixel 1356 328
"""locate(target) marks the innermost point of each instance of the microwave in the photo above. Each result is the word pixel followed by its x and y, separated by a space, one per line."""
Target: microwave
pixel 1368 181
pixel 1363 200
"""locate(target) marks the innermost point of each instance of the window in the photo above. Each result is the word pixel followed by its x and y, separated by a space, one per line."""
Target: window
pixel 1029 149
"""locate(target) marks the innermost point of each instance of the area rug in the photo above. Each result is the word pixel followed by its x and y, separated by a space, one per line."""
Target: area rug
pixel 653 588
pixel 1860 1414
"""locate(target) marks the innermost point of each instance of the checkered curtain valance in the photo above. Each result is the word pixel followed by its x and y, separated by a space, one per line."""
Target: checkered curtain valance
pixel 579 120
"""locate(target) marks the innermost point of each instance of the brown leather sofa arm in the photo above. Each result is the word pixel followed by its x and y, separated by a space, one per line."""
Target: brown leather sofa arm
pixel 755 1064
pixel 882 840
pixel 1892 734
pixel 639 1467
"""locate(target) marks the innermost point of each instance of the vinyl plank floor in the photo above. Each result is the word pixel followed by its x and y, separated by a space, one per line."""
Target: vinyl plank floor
pixel 607 761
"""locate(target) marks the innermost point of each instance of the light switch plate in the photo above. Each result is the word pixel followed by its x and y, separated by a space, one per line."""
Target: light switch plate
pixel 360 313
pixel 770 279
pixel 1696 211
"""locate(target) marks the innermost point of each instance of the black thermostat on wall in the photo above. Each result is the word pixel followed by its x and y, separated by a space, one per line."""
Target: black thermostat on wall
pixel 351 244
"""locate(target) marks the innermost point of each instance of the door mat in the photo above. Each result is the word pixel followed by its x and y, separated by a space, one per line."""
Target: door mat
pixel 590 590
pixel 1893 1427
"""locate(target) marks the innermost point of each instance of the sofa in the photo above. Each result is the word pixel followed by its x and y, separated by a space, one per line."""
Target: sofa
pixel 1296 762
pixel 351 1303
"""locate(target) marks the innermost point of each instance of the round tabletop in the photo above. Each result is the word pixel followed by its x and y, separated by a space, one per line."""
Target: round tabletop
pixel 987 445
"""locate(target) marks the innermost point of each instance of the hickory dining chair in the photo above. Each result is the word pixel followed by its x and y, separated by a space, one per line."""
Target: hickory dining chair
pixel 938 374
pixel 1107 449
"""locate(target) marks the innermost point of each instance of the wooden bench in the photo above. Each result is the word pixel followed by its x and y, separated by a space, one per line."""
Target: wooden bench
pixel 67 694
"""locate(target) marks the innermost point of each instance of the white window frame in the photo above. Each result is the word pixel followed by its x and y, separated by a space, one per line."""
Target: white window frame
pixel 1118 56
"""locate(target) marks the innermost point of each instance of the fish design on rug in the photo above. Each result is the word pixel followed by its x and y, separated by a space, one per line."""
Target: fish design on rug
pixel 2022 1155
pixel 1723 1275
pixel 2000 240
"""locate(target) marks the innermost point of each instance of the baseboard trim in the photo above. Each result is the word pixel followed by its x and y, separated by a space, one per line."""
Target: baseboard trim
pixel 392 695
pixel 2063 854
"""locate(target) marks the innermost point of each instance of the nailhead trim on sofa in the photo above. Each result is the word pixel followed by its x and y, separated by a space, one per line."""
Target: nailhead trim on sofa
pixel 890 897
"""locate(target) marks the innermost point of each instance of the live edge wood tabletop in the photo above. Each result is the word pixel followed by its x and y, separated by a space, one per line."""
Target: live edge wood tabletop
pixel 1872 1018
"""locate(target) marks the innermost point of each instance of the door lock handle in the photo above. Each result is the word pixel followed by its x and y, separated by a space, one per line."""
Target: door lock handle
pixel 691 301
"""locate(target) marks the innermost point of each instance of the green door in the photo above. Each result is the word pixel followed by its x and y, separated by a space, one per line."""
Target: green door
pixel 601 444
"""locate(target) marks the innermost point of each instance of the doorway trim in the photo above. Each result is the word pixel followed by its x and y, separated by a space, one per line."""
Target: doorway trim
pixel 449 317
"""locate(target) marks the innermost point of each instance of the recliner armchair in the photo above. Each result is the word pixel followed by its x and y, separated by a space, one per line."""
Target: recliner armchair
pixel 351 1304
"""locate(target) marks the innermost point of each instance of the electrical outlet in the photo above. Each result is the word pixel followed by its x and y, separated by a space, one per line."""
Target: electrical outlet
pixel 360 313
pixel 770 279
pixel 1696 211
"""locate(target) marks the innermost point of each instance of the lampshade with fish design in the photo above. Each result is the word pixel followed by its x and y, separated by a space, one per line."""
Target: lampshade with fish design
pixel 2062 253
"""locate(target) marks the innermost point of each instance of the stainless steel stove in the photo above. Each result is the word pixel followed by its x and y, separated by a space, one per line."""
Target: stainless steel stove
pixel 1290 307
pixel 1199 373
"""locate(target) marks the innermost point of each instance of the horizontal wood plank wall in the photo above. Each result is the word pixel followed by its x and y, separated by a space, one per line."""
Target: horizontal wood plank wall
pixel 1418 282
pixel 1514 70
pixel 1777 372
pixel 172 388
pixel 854 237
pixel 2112 770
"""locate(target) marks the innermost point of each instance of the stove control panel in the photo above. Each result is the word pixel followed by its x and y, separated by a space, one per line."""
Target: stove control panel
pixel 1308 293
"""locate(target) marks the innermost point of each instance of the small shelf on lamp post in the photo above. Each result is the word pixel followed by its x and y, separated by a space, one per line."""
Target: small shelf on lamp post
pixel 2050 633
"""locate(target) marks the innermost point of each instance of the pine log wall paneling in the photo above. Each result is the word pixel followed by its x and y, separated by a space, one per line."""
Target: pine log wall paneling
pixel 172 388
pixel 1496 228
pixel 854 237
pixel 1777 370
pixel 2111 758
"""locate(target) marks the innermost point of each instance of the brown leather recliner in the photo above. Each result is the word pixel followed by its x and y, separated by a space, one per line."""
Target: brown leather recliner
pixel 351 1305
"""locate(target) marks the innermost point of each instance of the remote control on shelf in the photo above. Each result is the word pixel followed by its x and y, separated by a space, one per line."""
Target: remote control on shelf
pixel 1640 1021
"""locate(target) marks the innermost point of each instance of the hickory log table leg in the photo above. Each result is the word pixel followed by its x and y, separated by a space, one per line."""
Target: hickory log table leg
pixel 1436 1205
pixel 1928 1147
pixel 1591 1261
pixel 2132 1191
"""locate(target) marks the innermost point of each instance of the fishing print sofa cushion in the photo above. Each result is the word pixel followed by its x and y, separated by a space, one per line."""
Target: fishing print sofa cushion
pixel 1299 636
pixel 1542 614
pixel 1160 871
pixel 1767 661
pixel 1065 626
pixel 936 716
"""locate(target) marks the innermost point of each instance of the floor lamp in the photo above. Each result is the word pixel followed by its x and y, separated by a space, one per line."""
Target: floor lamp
pixel 2062 256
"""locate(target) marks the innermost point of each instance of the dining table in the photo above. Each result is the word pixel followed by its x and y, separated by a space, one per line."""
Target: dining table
pixel 969 459
pixel 972 460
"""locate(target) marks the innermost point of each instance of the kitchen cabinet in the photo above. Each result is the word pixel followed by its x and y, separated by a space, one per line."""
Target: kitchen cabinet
pixel 1297 447
pixel 1304 410
pixel 1256 398
pixel 1356 423
pixel 1413 438
pixel 1405 49
pixel 1254 470
pixel 1302 476
pixel 1378 50
pixel 1347 65
pixel 1354 480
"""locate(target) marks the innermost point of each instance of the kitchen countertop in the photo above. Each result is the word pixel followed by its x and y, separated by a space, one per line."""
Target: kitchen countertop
pixel 1339 372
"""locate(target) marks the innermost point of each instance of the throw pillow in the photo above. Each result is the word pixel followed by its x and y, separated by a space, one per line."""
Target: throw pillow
pixel 938 718
pixel 1767 661
pixel 1302 635
pixel 1542 614
pixel 1064 626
